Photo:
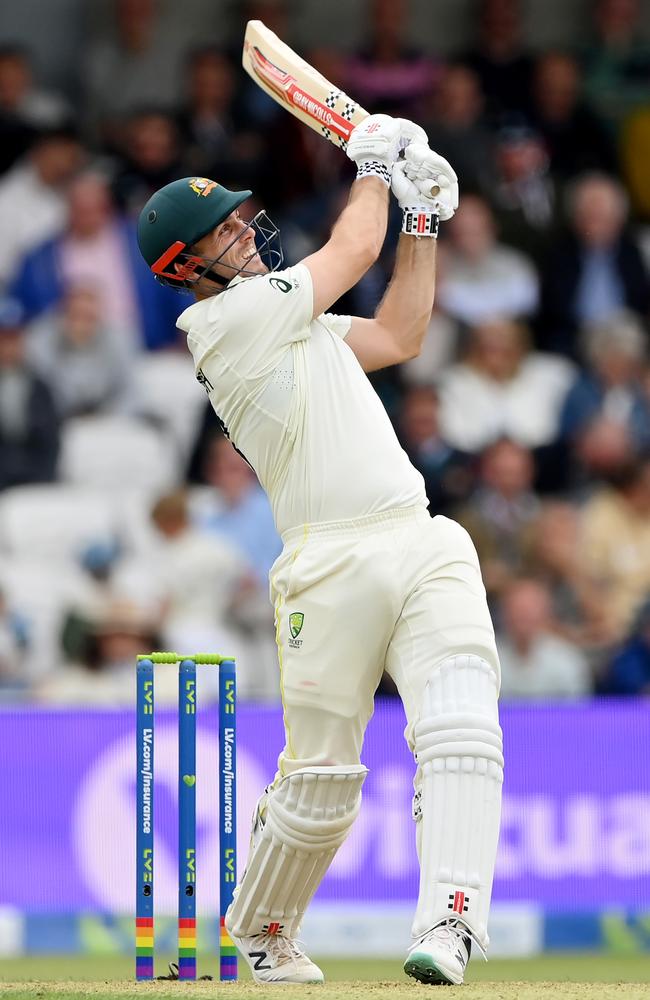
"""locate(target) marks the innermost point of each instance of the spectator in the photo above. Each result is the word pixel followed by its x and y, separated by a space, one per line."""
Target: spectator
pixel 554 557
pixel 103 675
pixel 202 582
pixel 629 671
pixel 136 60
pixel 500 512
pixel 21 98
pixel 86 363
pixel 98 248
pixel 23 106
pixel 598 454
pixel 447 473
pixel 502 388
pixel 616 542
pixel 481 278
pixel 458 131
pixel 575 137
pixel 239 511
pixel 29 429
pixel 535 663
pixel 151 157
pixel 14 641
pixel 390 76
pixel 500 59
pixel 617 60
pixel 595 270
pixel 32 196
pixel 524 196
pixel 611 387
pixel 214 142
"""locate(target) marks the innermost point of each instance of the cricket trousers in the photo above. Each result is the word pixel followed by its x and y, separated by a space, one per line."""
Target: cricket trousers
pixel 399 591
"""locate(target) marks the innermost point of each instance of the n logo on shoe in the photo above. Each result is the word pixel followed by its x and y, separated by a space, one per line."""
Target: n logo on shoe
pixel 458 902
pixel 259 957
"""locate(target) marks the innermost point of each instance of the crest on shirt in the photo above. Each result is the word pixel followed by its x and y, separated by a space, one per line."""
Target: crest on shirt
pixel 202 186
pixel 296 620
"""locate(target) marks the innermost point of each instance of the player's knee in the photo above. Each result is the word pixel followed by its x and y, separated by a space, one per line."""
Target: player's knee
pixel 314 807
pixel 458 727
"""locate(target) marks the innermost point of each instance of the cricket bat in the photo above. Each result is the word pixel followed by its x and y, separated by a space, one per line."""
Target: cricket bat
pixel 298 87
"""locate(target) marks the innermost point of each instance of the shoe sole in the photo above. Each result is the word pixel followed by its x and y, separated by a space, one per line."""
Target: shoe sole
pixel 419 966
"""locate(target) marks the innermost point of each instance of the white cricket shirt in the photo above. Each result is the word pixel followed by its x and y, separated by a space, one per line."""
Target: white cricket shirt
pixel 296 403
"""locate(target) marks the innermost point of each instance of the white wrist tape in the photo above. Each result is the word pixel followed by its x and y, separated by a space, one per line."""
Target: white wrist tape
pixel 420 222
pixel 374 168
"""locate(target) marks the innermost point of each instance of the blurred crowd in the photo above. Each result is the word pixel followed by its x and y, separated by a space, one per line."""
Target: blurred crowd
pixel 127 521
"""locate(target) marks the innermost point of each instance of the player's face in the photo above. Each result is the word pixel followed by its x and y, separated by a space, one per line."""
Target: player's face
pixel 234 244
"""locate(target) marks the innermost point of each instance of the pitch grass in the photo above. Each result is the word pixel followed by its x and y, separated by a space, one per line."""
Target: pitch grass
pixel 550 977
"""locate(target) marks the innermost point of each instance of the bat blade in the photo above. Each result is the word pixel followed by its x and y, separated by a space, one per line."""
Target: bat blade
pixel 298 87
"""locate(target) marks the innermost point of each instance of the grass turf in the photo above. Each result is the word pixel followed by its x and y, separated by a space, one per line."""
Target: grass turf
pixel 549 977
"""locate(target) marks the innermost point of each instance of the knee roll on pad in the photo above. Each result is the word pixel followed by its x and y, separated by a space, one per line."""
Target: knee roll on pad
pixel 457 806
pixel 307 817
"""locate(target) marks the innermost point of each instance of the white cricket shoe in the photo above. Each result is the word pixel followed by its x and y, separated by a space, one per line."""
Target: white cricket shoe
pixel 439 957
pixel 274 958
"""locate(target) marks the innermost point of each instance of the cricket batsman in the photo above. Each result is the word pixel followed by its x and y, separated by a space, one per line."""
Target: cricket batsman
pixel 367 580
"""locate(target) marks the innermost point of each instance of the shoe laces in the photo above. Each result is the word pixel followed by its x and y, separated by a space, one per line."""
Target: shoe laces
pixel 450 933
pixel 280 946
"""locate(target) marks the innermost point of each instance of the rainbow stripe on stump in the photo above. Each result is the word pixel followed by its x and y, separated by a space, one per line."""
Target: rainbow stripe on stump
pixel 187 948
pixel 227 954
pixel 144 947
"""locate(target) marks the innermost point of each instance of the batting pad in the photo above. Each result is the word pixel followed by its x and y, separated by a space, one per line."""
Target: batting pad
pixel 457 806
pixel 307 818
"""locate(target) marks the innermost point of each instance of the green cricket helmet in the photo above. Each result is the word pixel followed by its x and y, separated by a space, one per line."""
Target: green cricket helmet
pixel 183 212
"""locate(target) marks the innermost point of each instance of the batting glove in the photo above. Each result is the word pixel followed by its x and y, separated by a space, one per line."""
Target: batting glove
pixel 410 132
pixel 374 145
pixel 433 177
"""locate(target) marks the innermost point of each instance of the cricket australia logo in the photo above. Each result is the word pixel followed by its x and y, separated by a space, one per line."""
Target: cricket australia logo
pixel 296 621
pixel 202 186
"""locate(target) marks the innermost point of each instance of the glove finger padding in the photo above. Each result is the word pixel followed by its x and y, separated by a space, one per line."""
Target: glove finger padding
pixel 429 171
pixel 408 192
pixel 411 133
pixel 424 159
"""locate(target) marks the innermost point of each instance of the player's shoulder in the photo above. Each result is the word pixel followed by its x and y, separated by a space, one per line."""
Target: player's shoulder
pixel 285 282
pixel 245 294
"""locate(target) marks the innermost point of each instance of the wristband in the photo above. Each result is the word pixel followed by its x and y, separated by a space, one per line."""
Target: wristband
pixel 374 168
pixel 420 222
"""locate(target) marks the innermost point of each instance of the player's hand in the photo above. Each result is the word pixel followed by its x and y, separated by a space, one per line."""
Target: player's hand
pixel 432 176
pixel 408 194
pixel 377 139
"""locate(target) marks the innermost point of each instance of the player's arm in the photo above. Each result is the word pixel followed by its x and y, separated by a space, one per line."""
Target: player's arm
pixel 400 323
pixel 358 235
pixel 398 329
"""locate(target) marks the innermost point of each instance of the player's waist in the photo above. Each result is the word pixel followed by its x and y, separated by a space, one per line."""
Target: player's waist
pixel 358 526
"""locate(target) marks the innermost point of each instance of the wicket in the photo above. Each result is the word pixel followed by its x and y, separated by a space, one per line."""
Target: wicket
pixel 187 875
